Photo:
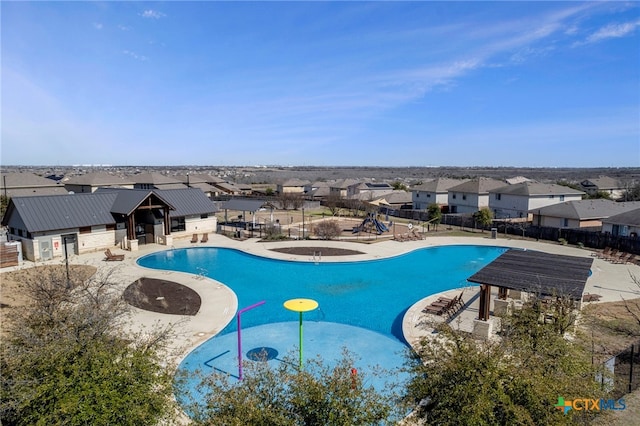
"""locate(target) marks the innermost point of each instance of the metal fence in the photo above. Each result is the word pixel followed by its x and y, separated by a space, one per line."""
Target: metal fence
pixel 623 371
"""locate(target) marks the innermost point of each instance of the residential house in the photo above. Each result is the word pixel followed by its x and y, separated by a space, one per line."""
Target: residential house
pixel 581 213
pixel 206 183
pixel 516 201
pixel 625 224
pixel 340 188
pixel 105 218
pixel 294 186
pixel 435 191
pixel 605 184
pixel 471 196
pixel 90 182
pixel 18 184
pixel 319 190
pixel 155 181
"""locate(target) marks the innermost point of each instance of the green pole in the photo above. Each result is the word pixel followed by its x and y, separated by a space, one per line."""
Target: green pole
pixel 300 340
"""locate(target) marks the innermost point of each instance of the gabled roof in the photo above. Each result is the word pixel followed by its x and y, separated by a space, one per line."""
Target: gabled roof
pixel 25 180
pixel 478 186
pixel 48 212
pixel 586 209
pixel 154 179
pixel 97 179
pixel 517 179
pixel 530 189
pixel 344 183
pixel 602 182
pixel 295 182
pixel 629 218
pixel 130 199
pixel 186 202
pixel 198 178
pixel 438 185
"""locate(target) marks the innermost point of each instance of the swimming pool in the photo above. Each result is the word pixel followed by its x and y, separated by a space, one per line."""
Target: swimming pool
pixel 372 294
pixel 361 306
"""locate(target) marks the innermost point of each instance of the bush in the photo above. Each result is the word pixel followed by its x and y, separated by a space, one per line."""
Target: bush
pixel 327 229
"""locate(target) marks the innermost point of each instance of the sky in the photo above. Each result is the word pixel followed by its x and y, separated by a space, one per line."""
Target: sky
pixel 421 83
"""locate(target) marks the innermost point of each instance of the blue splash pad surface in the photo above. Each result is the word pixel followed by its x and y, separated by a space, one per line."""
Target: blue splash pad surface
pixel 279 340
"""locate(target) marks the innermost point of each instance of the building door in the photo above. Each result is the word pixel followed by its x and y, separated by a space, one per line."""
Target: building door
pixel 70 241
pixel 45 249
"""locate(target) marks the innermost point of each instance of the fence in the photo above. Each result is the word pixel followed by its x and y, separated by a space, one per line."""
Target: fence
pixel 624 371
pixel 587 237
pixel 8 255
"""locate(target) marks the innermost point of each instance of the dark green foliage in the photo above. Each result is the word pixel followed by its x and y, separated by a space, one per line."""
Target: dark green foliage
pixel 317 395
pixel 483 217
pixel 65 360
pixel 435 214
pixel 515 380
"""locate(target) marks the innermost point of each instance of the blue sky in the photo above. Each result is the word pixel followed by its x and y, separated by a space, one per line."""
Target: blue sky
pixel 541 84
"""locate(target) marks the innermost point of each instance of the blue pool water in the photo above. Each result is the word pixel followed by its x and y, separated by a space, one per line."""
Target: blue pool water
pixel 371 294
pixel 361 307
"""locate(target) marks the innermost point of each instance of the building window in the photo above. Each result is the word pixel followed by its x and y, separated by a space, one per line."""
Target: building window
pixel 417 195
pixel 565 222
pixel 85 229
pixel 562 198
pixel 428 195
pixel 111 227
pixel 454 196
pixel 498 196
pixel 204 216
pixel 177 224
pixel 550 196
pixel 464 197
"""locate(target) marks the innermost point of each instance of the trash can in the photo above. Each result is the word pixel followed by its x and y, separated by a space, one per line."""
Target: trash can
pixel 494 233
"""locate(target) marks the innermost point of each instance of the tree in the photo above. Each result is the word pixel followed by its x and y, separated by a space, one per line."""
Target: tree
pixel 397 185
pixel 284 395
pixel 483 217
pixel 327 229
pixel 4 202
pixel 632 193
pixel 333 203
pixel 67 359
pixel 434 214
pixel 515 380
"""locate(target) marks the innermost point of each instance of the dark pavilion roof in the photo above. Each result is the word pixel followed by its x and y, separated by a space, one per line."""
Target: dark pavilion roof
pixel 537 272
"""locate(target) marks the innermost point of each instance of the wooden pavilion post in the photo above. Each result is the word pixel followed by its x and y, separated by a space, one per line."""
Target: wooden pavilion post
pixel 485 302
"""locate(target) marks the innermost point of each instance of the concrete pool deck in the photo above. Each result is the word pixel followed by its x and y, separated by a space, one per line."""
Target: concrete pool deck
pixel 219 304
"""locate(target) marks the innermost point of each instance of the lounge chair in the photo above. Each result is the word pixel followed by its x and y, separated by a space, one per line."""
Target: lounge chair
pixel 589 297
pixel 194 239
pixel 112 257
pixel 624 258
pixel 205 238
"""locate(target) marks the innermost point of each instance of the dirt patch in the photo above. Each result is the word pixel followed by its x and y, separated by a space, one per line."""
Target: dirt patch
pixel 166 297
pixel 311 251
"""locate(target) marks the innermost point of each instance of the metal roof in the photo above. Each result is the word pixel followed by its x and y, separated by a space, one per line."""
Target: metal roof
pixel 186 202
pixel 537 272
pixel 48 212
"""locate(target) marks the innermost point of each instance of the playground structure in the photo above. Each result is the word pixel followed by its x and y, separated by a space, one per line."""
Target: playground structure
pixel 371 225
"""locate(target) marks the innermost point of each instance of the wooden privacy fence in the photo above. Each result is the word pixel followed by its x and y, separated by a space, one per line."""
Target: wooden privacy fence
pixel 8 255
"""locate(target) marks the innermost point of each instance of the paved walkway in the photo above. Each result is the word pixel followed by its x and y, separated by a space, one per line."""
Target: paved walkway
pixel 219 304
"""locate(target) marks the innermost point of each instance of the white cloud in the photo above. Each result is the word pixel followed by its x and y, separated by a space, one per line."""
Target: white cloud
pixel 152 14
pixel 134 55
pixel 97 25
pixel 613 31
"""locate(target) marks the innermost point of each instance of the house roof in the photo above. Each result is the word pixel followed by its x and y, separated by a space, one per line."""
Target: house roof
pixel 244 204
pixel 295 182
pixel 537 272
pixel 438 185
pixel 344 183
pixel 97 179
pixel 629 218
pixel 154 179
pixel 517 179
pixel 602 182
pixel 529 189
pixel 477 186
pixel 18 180
pixel 198 178
pixel 48 212
pixel 586 209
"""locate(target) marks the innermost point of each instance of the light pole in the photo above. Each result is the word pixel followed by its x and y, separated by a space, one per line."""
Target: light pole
pixel 66 260
pixel 303 223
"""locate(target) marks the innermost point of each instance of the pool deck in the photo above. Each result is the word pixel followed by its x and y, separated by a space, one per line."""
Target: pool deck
pixel 219 304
